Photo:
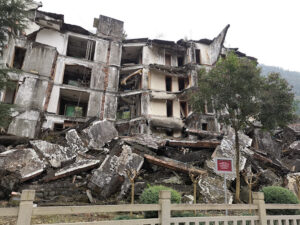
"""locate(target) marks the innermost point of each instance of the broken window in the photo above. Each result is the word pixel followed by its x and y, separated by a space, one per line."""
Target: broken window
pixel 132 56
pixel 131 81
pixel 129 107
pixel 183 109
pixel 58 127
pixel 181 83
pixel 10 93
pixel 168 83
pixel 168 60
pixel 204 126
pixel 180 61
pixel 169 108
pixel 19 57
pixel 78 76
pixel 81 48
pixel 73 103
pixel 198 56
pixel 170 133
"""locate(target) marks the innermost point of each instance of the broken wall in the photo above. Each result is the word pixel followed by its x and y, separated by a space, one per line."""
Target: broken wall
pixel 53 38
pixel 40 59
pixel 31 93
pixel 25 124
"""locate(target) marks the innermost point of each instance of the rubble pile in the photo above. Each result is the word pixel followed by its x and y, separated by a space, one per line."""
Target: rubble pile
pixel 91 162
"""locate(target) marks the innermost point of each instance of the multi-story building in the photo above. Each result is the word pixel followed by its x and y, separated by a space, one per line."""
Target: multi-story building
pixel 68 75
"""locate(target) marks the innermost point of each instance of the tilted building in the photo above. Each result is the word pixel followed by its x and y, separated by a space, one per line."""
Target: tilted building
pixel 68 75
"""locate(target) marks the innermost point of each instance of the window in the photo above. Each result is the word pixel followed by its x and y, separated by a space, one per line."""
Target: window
pixel 81 48
pixel 180 61
pixel 198 56
pixel 204 126
pixel 168 83
pixel 10 93
pixel 168 60
pixel 78 76
pixel 169 108
pixel 183 109
pixel 19 57
pixel 73 103
pixel 181 84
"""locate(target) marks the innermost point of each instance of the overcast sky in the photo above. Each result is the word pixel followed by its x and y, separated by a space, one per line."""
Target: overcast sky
pixel 267 30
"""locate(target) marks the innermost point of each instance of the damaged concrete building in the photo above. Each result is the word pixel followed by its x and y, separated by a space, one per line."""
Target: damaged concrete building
pixel 69 75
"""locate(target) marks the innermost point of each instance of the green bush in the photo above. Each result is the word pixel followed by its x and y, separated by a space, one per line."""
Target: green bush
pixel 280 195
pixel 151 196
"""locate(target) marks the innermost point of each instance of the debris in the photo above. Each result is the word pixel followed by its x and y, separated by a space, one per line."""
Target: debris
pixel 111 176
pixel 212 190
pixel 188 199
pixel 227 150
pixel 149 141
pixel 264 142
pixel 7 140
pixel 173 180
pixel 80 165
pixel 57 155
pixel 90 197
pixel 205 134
pixel 173 164
pixel 75 142
pixel 194 144
pixel 22 161
pixel 99 133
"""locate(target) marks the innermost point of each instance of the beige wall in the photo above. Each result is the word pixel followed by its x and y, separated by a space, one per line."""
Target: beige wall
pixel 176 109
pixel 158 108
pixel 204 53
pixel 158 82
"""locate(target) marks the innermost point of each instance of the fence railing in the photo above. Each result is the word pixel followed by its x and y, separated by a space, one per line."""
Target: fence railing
pixel 26 210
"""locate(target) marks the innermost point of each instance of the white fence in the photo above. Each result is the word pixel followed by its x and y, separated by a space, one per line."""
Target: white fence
pixel 26 210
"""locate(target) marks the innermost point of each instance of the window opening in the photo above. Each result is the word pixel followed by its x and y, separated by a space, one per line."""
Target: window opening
pixel 169 108
pixel 168 83
pixel 19 57
pixel 198 56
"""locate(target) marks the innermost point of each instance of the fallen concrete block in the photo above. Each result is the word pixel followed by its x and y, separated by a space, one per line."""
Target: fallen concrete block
pixel 57 155
pixel 25 162
pixel 100 133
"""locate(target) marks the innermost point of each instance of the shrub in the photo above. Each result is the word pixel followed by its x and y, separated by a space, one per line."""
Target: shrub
pixel 151 196
pixel 280 195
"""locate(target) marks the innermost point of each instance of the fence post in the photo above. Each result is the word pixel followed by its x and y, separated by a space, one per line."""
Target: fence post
pixel 258 199
pixel 25 208
pixel 165 202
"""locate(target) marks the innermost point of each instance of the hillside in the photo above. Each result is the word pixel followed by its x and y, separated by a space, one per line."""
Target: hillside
pixel 292 77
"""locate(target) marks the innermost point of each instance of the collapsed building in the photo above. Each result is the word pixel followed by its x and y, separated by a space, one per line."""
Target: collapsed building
pixel 116 105
pixel 68 75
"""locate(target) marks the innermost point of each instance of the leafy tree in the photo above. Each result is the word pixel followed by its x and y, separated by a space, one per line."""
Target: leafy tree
pixel 13 20
pixel 239 95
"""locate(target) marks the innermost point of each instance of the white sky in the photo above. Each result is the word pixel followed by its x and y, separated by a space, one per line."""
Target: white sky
pixel 266 29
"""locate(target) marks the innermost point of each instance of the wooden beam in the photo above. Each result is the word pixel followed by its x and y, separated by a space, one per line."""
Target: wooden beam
pixel 211 144
pixel 173 164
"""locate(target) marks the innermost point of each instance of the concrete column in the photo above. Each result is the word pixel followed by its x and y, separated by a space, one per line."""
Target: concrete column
pixel 26 206
pixel 258 199
pixel 165 202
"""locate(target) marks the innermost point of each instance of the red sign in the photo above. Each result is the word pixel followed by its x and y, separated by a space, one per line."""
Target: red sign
pixel 224 165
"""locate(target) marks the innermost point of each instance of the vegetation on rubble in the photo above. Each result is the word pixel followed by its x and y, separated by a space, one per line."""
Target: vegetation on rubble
pixel 13 17
pixel 240 96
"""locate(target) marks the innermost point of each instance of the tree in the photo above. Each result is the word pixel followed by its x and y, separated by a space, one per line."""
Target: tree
pixel 13 20
pixel 239 95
